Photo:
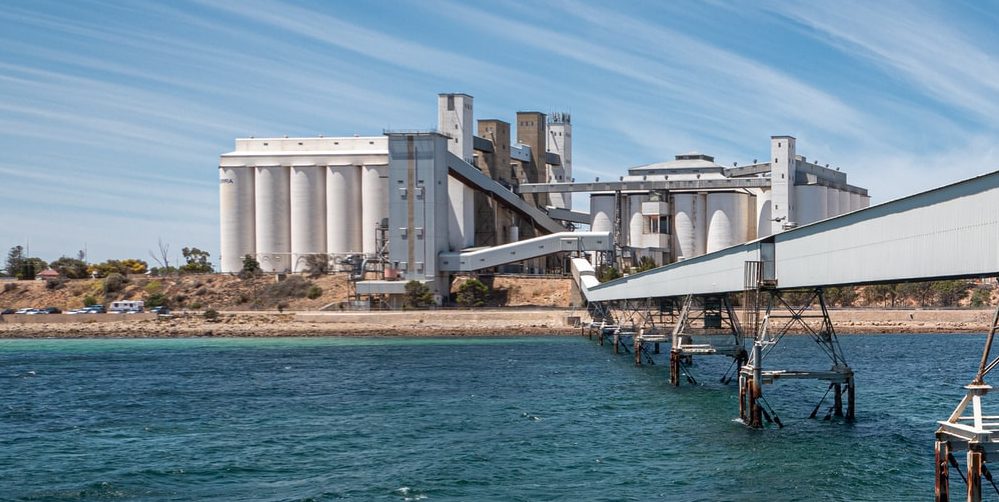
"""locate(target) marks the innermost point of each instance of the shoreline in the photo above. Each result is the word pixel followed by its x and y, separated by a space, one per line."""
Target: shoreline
pixel 419 324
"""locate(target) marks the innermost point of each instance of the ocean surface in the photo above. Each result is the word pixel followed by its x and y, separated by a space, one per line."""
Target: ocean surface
pixel 456 419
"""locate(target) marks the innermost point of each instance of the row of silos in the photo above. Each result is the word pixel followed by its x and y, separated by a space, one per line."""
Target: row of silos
pixel 281 215
pixel 707 222
pixel 818 202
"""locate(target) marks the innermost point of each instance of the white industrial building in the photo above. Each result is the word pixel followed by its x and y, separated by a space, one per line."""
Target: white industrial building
pixel 420 205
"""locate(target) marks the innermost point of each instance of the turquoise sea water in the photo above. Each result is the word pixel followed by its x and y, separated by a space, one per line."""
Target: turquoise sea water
pixel 455 419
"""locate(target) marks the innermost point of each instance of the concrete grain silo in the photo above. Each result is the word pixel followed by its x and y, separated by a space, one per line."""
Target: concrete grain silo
pixel 602 210
pixel 236 205
pixel 832 202
pixel 844 202
pixel 690 226
pixel 343 209
pixel 726 217
pixel 763 214
pixel 809 204
pixel 308 214
pixel 374 204
pixel 273 219
pixel 636 222
pixel 855 203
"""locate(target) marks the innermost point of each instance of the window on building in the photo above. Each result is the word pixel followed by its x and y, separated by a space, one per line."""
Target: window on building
pixel 450 103
pixel 650 224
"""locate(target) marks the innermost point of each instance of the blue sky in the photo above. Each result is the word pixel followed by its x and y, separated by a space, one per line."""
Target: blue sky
pixel 113 114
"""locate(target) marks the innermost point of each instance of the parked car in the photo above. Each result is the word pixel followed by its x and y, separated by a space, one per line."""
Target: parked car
pixel 24 310
pixel 160 310
pixel 52 310
pixel 95 309
pixel 8 312
pixel 35 312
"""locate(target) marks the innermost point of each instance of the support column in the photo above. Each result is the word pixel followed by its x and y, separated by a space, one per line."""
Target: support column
pixel 617 343
pixel 838 400
pixel 655 348
pixel 850 399
pixel 941 474
pixel 974 474
pixel 637 345
pixel 756 387
pixel 674 368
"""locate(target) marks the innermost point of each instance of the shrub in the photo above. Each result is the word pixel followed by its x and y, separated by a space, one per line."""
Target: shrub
pixel 10 286
pixel 114 282
pixel 55 283
pixel 607 273
pixel 980 298
pixel 179 299
pixel 317 264
pixel 645 263
pixel 314 292
pixel 156 300
pixel 154 287
pixel 292 287
pixel 195 305
pixel 251 267
pixel 472 293
pixel 211 314
pixel 243 298
pixel 417 295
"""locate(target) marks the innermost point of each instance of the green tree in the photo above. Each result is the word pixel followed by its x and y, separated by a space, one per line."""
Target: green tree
pixel 114 282
pixel 156 300
pixel 31 267
pixel 950 293
pixel 71 268
pixel 15 258
pixel 920 293
pixel 417 295
pixel 882 294
pixel 981 297
pixel 843 296
pixel 472 293
pixel 198 261
pixel 251 267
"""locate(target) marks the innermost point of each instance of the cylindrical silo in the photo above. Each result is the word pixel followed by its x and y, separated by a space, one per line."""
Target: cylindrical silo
pixel 763 214
pixel 832 202
pixel 865 201
pixel 809 203
pixel 689 228
pixel 343 209
pixel 726 216
pixel 308 215
pixel 855 201
pixel 602 211
pixel 273 220
pixel 636 222
pixel 374 205
pixel 844 202
pixel 236 222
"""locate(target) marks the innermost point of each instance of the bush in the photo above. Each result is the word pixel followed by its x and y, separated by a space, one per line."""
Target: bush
pixel 317 264
pixel 89 300
pixel 156 300
pixel 10 286
pixel 608 273
pixel 195 306
pixel 981 297
pixel 645 263
pixel 55 283
pixel 211 314
pixel 417 295
pixel 251 267
pixel 472 293
pixel 114 282
pixel 314 292
pixel 293 287
pixel 154 287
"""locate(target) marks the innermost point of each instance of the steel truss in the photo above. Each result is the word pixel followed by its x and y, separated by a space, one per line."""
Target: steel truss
pixel 977 433
pixel 780 318
pixel 714 323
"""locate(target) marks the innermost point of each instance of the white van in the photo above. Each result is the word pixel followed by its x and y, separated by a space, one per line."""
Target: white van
pixel 126 306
